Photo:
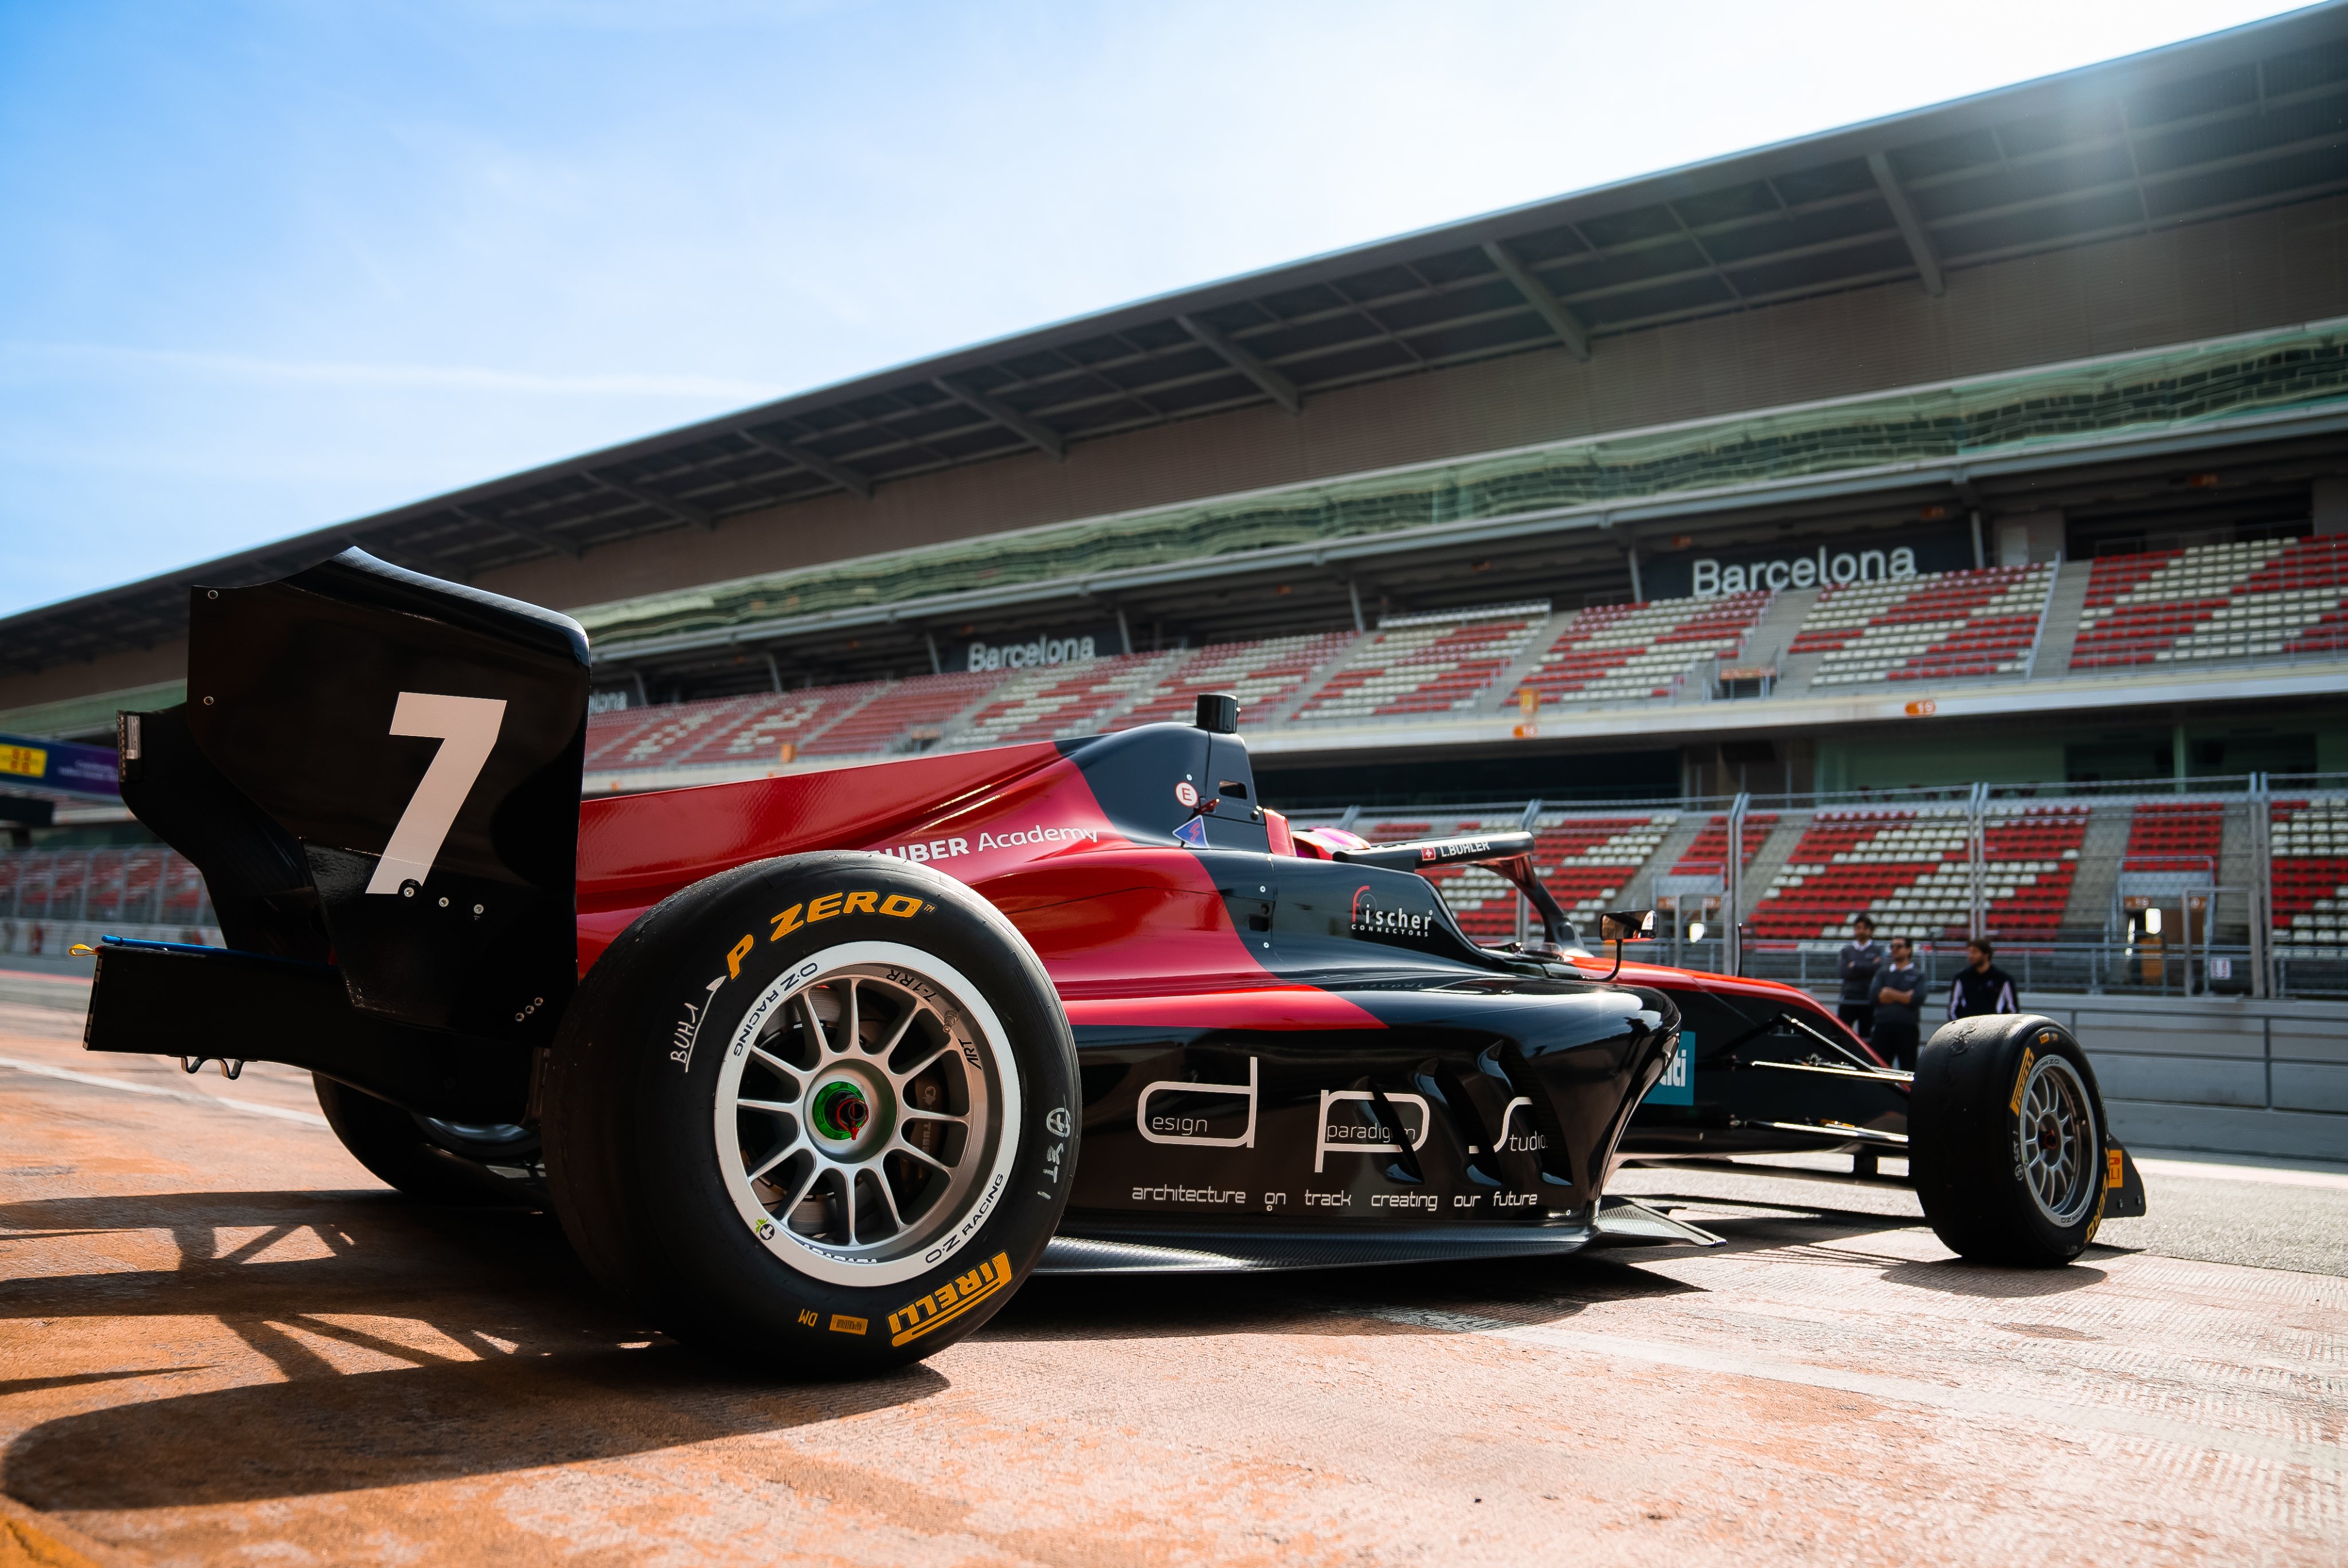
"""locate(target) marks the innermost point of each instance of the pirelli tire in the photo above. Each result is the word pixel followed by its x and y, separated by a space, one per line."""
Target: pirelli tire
pixel 816 1114
pixel 2006 1141
pixel 432 1161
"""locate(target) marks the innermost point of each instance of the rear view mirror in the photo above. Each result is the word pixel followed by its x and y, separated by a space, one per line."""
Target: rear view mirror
pixel 1627 926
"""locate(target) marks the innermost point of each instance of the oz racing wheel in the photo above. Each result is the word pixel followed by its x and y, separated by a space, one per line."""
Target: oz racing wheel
pixel 2007 1140
pixel 818 1110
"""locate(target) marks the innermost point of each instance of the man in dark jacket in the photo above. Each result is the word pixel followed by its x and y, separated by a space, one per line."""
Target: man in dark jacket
pixel 1983 987
pixel 1899 994
pixel 1861 957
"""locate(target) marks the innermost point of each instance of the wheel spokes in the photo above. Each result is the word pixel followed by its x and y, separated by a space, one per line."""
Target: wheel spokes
pixel 776 1065
pixel 898 1081
pixel 899 1146
pixel 813 1024
pixel 897 1035
pixel 778 1156
pixel 888 1198
pixel 800 1193
pixel 823 1203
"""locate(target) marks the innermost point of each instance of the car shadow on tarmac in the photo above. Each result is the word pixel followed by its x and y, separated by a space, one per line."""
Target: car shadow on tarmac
pixel 1813 1234
pixel 530 1364
pixel 503 1355
pixel 1337 1301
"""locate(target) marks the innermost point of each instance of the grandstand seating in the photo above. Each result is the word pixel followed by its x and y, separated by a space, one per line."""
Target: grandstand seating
pixel 1617 651
pixel 1067 700
pixel 1586 862
pixel 186 901
pixel 1908 869
pixel 2174 835
pixel 2248 599
pixel 723 730
pixel 2026 904
pixel 1950 625
pixel 923 701
pixel 1432 664
pixel 140 885
pixel 1262 675
pixel 1709 852
pixel 2311 875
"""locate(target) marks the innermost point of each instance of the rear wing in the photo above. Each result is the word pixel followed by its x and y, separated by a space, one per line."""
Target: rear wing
pixel 1510 854
pixel 380 770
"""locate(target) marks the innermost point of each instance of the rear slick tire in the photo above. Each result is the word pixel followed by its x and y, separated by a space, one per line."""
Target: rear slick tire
pixel 2006 1141
pixel 430 1161
pixel 816 1114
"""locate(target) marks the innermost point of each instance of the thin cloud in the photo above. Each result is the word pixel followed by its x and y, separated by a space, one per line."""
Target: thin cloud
pixel 108 361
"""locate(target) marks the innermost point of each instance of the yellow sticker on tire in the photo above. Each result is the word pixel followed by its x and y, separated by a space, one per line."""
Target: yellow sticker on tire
pixel 950 1300
pixel 2021 1080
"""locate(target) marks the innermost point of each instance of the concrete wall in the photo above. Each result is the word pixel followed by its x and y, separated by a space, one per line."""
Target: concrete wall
pixel 1896 761
pixel 2224 1074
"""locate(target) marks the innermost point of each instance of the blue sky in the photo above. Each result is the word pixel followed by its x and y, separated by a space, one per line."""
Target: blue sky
pixel 270 266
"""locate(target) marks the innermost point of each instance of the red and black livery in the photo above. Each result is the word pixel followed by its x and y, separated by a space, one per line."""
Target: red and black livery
pixel 836 1058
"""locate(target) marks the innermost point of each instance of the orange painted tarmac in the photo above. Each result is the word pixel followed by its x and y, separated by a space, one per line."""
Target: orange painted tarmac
pixel 221 1342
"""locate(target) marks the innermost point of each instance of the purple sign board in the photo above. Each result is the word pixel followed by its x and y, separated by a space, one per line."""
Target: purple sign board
pixel 60 765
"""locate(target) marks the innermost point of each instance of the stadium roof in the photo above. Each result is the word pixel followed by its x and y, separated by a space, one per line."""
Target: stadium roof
pixel 2252 118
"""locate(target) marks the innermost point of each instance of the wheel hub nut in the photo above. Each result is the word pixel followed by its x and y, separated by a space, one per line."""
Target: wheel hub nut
pixel 841 1111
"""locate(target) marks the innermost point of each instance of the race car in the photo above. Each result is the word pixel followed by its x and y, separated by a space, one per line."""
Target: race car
pixel 806 1064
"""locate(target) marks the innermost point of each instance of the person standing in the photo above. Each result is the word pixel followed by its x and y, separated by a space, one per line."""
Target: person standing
pixel 1899 994
pixel 1982 988
pixel 1861 957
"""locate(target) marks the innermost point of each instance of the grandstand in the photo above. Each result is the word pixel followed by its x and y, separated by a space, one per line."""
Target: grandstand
pixel 2183 836
pixel 2311 875
pixel 1956 625
pixel 1708 851
pixel 1436 663
pixel 2251 598
pixel 1910 871
pixel 1041 703
pixel 1637 651
pixel 901 714
pixel 1262 675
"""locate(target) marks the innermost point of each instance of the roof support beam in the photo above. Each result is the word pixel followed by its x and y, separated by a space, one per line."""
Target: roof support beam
pixel 816 463
pixel 684 512
pixel 1562 321
pixel 1035 432
pixel 522 531
pixel 1911 226
pixel 1273 385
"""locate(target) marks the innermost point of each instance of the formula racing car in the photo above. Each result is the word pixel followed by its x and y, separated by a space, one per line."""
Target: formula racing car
pixel 819 1067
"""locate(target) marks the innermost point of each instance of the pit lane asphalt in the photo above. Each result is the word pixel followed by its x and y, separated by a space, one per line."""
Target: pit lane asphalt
pixel 221 1342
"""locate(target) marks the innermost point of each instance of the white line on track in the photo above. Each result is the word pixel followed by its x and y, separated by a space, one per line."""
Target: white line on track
pixel 2217 1171
pixel 1904 1391
pixel 308 1118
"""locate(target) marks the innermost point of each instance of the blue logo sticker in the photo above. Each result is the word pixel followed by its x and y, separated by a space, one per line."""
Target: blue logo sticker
pixel 1193 832
pixel 1677 1085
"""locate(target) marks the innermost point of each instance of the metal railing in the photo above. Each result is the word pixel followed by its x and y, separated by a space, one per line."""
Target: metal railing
pixel 2227 934
pixel 151 886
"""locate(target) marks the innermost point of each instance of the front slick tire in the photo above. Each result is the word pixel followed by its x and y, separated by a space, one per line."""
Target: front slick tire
pixel 2006 1141
pixel 814 1114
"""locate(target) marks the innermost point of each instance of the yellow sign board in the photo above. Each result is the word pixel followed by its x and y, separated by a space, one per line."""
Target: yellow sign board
pixel 24 761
